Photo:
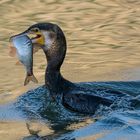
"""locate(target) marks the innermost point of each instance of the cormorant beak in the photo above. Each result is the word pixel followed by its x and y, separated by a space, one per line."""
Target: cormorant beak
pixel 36 37
pixel 23 33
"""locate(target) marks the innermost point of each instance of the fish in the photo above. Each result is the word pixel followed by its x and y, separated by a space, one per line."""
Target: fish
pixel 23 47
pixel 13 51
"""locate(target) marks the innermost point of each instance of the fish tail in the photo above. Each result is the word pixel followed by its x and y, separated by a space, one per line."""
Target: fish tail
pixel 33 78
pixel 30 78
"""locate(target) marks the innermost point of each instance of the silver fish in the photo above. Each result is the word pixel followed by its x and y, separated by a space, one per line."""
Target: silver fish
pixel 24 49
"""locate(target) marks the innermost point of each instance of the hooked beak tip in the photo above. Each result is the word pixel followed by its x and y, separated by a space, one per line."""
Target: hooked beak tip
pixel 20 34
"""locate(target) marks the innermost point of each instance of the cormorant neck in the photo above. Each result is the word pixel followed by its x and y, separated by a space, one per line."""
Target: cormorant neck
pixel 55 56
pixel 53 81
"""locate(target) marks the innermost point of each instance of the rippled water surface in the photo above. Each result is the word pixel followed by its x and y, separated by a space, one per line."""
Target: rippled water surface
pixel 103 38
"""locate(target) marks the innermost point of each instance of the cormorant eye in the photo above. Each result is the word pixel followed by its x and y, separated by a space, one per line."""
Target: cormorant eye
pixel 35 30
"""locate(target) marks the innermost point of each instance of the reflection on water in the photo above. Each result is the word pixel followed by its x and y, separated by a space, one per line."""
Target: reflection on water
pixel 103 44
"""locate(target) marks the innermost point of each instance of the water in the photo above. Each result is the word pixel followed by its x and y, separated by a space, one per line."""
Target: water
pixel 103 45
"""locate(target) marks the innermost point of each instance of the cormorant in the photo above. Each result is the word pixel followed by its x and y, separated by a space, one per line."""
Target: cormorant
pixel 81 97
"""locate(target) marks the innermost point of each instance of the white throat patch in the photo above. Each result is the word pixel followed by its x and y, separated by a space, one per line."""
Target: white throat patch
pixel 48 41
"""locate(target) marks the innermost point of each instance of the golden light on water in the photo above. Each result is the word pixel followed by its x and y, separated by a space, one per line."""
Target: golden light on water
pixel 103 40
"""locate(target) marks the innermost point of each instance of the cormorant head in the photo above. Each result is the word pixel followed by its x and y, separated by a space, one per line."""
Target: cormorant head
pixel 44 34
pixel 51 39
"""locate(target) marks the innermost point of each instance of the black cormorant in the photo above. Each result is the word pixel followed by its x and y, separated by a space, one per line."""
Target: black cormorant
pixel 80 97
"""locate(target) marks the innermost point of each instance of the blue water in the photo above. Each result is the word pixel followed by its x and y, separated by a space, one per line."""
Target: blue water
pixel 121 120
